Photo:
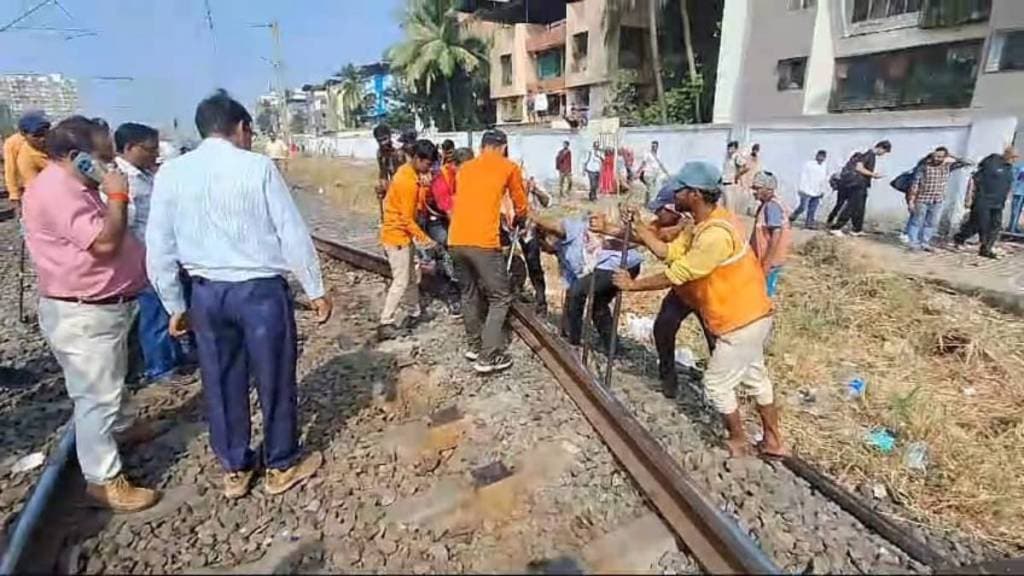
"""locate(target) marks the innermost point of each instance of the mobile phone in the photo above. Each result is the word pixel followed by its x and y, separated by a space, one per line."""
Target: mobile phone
pixel 88 167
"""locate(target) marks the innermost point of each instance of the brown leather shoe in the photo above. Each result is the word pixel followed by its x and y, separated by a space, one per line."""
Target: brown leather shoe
pixel 120 495
pixel 279 481
pixel 237 484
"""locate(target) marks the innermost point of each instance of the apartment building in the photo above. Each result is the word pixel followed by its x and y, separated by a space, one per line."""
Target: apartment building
pixel 557 57
pixel 54 94
pixel 787 58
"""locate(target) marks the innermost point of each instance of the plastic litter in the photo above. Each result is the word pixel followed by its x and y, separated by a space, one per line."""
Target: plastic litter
pixel 882 439
pixel 28 462
pixel 855 388
pixel 970 391
pixel 639 327
pixel 916 456
pixel 685 358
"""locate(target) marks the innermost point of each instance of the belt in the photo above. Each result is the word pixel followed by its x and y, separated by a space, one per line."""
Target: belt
pixel 98 302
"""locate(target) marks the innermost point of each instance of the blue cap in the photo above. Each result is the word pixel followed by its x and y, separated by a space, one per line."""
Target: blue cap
pixel 32 122
pixel 696 174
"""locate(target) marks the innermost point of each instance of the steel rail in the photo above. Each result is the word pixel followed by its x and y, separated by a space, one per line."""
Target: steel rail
pixel 713 538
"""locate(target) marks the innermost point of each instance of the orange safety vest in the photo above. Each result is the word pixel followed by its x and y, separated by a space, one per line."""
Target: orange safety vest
pixel 734 294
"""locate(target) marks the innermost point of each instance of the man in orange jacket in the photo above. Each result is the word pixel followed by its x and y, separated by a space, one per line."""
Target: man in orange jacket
pixel 713 267
pixel 398 232
pixel 473 238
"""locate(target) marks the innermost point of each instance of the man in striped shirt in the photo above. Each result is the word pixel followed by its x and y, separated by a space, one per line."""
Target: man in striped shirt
pixel 226 215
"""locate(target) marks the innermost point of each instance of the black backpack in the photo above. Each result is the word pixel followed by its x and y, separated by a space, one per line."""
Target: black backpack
pixel 849 177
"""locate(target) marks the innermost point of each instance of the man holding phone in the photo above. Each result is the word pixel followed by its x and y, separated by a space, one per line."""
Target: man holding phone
pixel 90 270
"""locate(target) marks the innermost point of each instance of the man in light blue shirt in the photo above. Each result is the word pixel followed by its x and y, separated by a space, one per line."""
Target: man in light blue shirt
pixel 137 151
pixel 226 215
pixel 1017 203
pixel 567 239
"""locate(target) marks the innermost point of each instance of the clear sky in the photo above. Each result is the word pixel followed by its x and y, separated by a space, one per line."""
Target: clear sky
pixel 174 57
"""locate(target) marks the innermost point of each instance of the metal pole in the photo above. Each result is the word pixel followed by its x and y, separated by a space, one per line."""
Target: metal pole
pixel 618 309
pixel 21 283
pixel 588 322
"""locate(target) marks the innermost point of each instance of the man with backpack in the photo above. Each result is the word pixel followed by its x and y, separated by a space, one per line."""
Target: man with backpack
pixel 992 182
pixel 852 189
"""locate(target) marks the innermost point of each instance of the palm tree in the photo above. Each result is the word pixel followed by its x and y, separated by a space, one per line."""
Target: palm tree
pixel 614 12
pixel 436 48
pixel 351 92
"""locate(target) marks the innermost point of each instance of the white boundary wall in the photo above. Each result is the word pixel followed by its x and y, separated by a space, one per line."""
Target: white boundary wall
pixel 785 146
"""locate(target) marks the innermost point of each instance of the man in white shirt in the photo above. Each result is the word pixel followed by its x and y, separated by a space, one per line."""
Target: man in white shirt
pixel 733 169
pixel 651 170
pixel 592 168
pixel 226 215
pixel 137 151
pixel 813 185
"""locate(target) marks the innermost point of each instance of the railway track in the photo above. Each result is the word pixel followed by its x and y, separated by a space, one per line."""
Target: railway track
pixel 712 540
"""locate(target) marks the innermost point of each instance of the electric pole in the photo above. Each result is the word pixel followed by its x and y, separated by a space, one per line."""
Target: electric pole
pixel 278 64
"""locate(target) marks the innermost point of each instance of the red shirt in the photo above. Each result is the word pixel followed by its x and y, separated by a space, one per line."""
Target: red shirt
pixel 563 162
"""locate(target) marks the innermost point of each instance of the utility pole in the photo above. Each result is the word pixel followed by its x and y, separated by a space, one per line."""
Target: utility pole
pixel 281 87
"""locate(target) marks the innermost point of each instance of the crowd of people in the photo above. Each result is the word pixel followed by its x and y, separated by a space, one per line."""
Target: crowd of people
pixel 188 255
pixel 490 219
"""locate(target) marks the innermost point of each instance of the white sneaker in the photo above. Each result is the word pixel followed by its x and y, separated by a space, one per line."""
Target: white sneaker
pixel 904 239
pixel 837 233
pixel 471 355
pixel 857 234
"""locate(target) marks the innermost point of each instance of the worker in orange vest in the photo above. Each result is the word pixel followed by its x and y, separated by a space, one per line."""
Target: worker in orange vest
pixel 714 269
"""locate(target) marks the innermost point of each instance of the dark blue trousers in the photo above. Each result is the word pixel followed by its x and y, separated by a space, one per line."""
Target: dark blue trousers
pixel 247 329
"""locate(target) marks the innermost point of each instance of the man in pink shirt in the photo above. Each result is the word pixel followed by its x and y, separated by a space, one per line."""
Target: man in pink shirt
pixel 90 269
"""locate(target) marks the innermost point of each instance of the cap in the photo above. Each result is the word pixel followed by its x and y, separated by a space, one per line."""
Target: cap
pixel 495 136
pixel 32 122
pixel 696 174
pixel 764 179
pixel 666 197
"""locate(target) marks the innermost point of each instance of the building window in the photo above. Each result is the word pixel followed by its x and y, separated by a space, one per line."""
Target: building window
pixel 632 44
pixel 802 4
pixel 549 64
pixel 878 9
pixel 945 13
pixel 506 69
pixel 937 76
pixel 580 51
pixel 1006 52
pixel 791 73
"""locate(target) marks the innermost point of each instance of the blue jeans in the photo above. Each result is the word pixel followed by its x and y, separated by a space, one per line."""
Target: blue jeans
pixel 808 203
pixel 247 330
pixel 161 354
pixel 923 221
pixel 772 281
pixel 1015 209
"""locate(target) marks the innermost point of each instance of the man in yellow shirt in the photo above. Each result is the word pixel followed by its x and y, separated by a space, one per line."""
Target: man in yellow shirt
pixel 398 232
pixel 712 267
pixel 473 236
pixel 25 154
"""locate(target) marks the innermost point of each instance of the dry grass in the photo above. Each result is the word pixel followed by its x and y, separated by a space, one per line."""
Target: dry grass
pixel 941 368
pixel 349 184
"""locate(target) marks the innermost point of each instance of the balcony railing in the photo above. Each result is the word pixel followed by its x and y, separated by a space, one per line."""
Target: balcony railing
pixel 548 85
pixel 551 36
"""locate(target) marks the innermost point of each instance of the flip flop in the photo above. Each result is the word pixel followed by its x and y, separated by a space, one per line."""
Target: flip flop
pixel 770 456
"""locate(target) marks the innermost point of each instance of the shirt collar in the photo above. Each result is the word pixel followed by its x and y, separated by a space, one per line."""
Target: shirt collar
pixel 128 168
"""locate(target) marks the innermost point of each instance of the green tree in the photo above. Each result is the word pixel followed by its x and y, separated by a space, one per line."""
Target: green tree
pixel 351 94
pixel 436 49
pixel 615 11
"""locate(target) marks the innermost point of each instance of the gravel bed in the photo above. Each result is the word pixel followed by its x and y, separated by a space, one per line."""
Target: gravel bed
pixel 798 527
pixel 345 379
pixel 33 405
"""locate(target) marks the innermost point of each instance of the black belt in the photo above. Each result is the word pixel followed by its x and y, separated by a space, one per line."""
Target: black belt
pixel 99 302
